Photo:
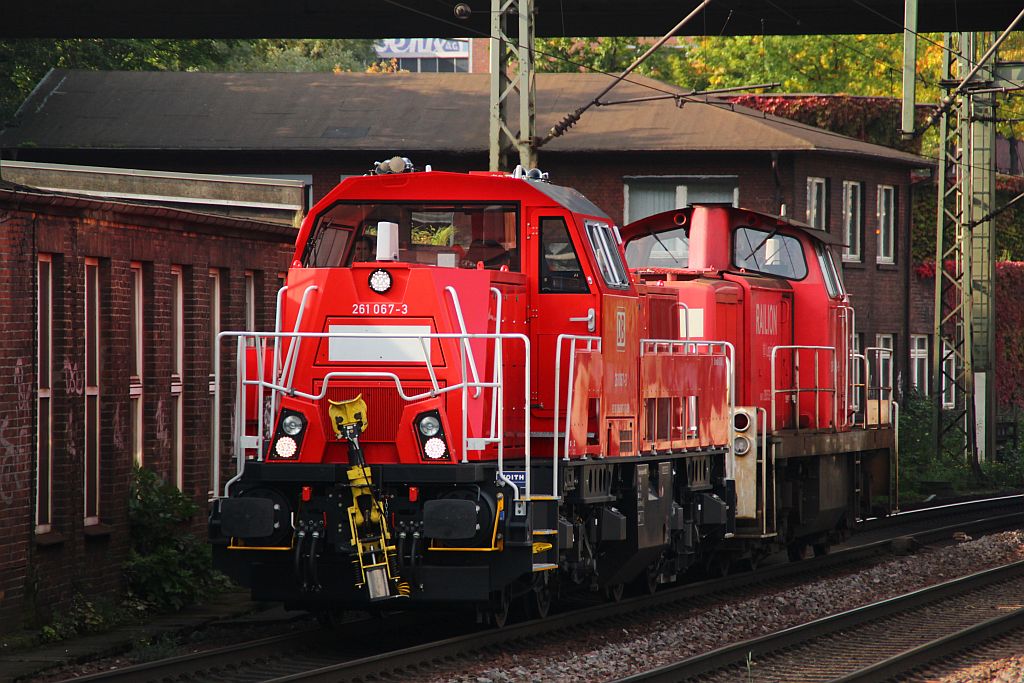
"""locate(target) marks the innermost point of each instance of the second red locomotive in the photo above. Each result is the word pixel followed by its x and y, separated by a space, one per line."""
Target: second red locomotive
pixel 480 390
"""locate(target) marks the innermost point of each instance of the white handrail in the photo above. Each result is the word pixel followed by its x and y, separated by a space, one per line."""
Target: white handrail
pixel 496 374
pixel 275 387
pixel 691 347
pixel 559 343
pixel 764 473
pixel 796 381
pixel 293 348
pixel 686 327
pixel 462 327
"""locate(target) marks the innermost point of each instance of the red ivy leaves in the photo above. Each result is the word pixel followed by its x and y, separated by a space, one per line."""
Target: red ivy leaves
pixel 873 119
pixel 1009 324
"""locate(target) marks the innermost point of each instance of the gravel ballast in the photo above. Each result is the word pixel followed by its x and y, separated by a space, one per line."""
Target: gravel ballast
pixel 607 653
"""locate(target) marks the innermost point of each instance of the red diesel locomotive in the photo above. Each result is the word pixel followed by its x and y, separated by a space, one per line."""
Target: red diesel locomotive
pixel 479 390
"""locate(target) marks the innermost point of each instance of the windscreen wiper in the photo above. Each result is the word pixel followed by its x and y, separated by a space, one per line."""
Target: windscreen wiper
pixel 671 255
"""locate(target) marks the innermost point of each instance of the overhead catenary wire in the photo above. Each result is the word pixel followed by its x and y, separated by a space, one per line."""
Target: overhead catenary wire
pixel 948 100
pixel 752 113
pixel 570 119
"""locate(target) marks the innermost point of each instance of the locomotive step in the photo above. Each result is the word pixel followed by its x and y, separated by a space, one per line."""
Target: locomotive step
pixel 545 532
pixel 544 566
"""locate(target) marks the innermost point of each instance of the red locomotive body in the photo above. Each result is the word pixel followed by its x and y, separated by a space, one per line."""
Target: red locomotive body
pixel 470 397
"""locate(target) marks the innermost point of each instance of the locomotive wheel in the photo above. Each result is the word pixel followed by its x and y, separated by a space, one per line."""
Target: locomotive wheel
pixel 719 565
pixel 496 611
pixel 648 581
pixel 796 551
pixel 613 593
pixel 538 600
pixel 822 549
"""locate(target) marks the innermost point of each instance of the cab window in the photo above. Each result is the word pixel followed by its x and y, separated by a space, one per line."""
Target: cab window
pixel 560 270
pixel 441 234
pixel 606 252
pixel 768 252
pixel 668 249
pixel 833 283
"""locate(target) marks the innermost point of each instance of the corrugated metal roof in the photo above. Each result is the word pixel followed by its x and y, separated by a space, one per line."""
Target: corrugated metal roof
pixel 115 110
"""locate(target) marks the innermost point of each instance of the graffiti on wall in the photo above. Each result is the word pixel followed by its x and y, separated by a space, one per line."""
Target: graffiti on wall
pixel 74 379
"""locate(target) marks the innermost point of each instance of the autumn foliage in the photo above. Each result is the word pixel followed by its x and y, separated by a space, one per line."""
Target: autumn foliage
pixel 1009 332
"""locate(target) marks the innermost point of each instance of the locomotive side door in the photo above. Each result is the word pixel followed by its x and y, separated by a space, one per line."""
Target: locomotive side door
pixel 565 300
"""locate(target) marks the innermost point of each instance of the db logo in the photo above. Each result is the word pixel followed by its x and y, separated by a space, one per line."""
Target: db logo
pixel 620 328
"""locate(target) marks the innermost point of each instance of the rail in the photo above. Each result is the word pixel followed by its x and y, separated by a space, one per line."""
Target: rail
pixel 281 384
pixel 797 389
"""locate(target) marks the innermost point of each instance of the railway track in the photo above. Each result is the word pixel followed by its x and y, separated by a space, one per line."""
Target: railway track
pixel 360 650
pixel 872 643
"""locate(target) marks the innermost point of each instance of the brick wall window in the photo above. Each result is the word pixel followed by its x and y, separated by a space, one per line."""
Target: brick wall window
pixel 817 203
pixel 137 343
pixel 853 219
pixel 91 374
pixel 44 383
pixel 250 305
pixel 648 195
pixel 215 328
pixel 886 224
pixel 177 384
pixel 919 363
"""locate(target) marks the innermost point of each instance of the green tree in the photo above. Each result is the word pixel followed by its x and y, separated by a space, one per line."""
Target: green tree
pixel 300 55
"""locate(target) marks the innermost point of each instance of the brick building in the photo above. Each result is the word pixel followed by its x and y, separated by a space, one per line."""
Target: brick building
pixel 632 159
pixel 109 311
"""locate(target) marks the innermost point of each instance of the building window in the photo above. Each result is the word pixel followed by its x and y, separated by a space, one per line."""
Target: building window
pixel 214 309
pixel 177 362
pixel 853 219
pixel 215 327
pixel 250 306
pixel 91 373
pixel 44 407
pixel 883 362
pixel 919 363
pixel 817 203
pixel 948 376
pixel 886 223
pixel 137 343
pixel 648 195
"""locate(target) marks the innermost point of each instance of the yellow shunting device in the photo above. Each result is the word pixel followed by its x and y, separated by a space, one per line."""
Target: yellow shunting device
pixel 371 537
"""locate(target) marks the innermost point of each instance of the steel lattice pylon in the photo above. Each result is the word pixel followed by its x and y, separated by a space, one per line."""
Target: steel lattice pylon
pixel 512 72
pixel 964 253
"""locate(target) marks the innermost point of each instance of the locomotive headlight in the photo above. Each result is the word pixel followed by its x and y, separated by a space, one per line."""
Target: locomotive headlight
pixel 292 424
pixel 741 445
pixel 380 281
pixel 285 447
pixel 429 426
pixel 435 448
pixel 741 422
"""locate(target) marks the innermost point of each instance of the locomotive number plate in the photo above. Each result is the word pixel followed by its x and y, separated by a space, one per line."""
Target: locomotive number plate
pixel 380 309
